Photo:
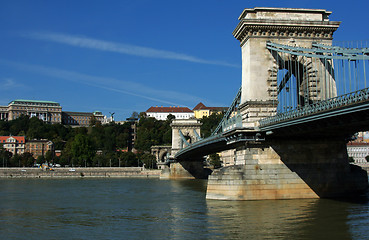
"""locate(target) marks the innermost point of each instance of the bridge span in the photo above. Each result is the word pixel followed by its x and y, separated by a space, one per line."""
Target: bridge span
pixel 301 100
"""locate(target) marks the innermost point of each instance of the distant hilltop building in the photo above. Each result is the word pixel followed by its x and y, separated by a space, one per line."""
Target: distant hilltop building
pixel 201 110
pixel 161 113
pixel 48 111
pixel 82 119
pixel 45 110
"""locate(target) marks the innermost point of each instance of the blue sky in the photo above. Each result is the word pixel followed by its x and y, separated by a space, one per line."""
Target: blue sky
pixel 124 56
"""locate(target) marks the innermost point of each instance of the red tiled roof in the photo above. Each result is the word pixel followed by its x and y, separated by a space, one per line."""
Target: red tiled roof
pixel 202 106
pixel 17 138
pixel 358 144
pixel 169 109
pixel 199 106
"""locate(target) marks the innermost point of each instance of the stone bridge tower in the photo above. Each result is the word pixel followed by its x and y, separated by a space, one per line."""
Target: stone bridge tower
pixel 184 131
pixel 284 166
pixel 294 27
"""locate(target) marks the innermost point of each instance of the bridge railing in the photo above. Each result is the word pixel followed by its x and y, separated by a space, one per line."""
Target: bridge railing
pixel 321 106
pixel 228 118
pixel 233 122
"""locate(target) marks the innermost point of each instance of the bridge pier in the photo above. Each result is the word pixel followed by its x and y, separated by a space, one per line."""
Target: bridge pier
pixel 289 169
pixel 186 170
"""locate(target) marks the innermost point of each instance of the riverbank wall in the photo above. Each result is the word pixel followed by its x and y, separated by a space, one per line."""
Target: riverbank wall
pixel 133 172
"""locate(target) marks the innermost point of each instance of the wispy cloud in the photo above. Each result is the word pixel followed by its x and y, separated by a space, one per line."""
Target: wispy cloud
pixel 9 84
pixel 106 83
pixel 96 44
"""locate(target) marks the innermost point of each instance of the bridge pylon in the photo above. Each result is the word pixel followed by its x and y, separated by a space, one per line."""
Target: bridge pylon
pixel 184 133
pixel 285 163
pixel 260 66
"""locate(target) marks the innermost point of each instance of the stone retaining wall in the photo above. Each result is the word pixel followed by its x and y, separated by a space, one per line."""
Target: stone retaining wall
pixel 78 172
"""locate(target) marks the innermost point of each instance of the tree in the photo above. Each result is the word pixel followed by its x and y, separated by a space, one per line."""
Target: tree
pixel 49 156
pixel 152 132
pixel 15 161
pixel 149 160
pixel 36 129
pixel 18 125
pixel 5 156
pixel 82 150
pixel 129 159
pixel 135 116
pixel 170 117
pixel 214 160
pixel 40 159
pixel 210 123
pixel 27 159
pixel 100 161
pixel 66 157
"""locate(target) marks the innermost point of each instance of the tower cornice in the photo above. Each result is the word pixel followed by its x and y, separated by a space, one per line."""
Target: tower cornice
pixel 284 23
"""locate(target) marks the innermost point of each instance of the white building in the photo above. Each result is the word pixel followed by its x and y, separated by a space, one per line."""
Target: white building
pixel 13 144
pixel 161 113
pixel 358 151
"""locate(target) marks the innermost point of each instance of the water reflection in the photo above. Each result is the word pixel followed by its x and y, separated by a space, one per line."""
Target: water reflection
pixel 157 209
pixel 281 219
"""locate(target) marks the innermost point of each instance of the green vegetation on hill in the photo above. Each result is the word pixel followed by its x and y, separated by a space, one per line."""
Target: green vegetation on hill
pixel 153 132
pixel 209 124
pixel 96 145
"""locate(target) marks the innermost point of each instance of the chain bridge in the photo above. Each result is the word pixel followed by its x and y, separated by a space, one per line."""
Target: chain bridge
pixel 302 98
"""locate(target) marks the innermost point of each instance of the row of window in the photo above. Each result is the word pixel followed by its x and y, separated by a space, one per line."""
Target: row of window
pixel 37 104
pixel 12 146
pixel 37 109
pixel 74 121
pixel 11 141
pixel 164 116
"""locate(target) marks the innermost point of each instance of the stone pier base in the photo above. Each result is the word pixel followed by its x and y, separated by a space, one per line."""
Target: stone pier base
pixel 289 170
pixel 185 170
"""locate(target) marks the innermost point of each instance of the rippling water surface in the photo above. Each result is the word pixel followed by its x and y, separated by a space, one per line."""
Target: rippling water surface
pixel 160 209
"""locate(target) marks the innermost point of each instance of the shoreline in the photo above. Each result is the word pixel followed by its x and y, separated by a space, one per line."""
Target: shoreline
pixel 80 172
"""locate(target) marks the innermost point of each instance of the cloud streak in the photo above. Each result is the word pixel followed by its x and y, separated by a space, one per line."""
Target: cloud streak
pixel 101 45
pixel 9 83
pixel 120 86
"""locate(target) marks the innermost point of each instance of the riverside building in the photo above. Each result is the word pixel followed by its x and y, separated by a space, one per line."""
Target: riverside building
pixel 13 144
pixel 39 147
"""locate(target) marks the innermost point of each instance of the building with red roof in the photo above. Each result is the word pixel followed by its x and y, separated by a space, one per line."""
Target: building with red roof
pixel 200 110
pixel 13 144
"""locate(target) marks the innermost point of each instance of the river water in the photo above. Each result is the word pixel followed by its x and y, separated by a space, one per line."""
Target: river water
pixel 163 209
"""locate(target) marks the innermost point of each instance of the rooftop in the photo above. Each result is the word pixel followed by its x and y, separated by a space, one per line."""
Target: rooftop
pixel 17 138
pixel 169 109
pixel 201 106
pixel 20 101
pixel 78 113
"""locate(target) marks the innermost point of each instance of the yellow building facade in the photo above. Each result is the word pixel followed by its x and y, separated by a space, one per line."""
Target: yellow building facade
pixel 200 110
